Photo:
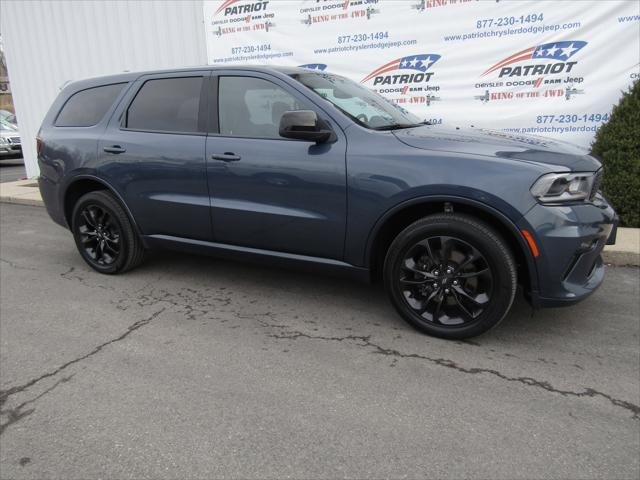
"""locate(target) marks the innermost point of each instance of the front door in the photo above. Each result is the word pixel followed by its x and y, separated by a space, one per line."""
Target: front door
pixel 266 191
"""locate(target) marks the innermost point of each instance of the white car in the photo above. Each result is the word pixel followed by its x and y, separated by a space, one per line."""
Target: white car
pixel 8 116
pixel 10 145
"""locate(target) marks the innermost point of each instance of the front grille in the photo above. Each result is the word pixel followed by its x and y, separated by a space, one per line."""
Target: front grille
pixel 597 183
pixel 14 140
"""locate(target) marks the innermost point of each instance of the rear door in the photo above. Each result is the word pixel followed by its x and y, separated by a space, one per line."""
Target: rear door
pixel 153 152
pixel 267 191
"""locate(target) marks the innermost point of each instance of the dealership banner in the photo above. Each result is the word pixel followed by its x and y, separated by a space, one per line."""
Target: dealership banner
pixel 551 68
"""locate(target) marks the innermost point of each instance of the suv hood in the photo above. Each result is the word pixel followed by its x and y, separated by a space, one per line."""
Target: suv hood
pixel 499 144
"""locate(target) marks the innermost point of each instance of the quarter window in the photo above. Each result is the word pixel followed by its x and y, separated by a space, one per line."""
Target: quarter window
pixel 166 104
pixel 87 107
pixel 252 107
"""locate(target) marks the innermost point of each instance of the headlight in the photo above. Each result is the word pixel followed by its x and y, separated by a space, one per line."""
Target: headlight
pixel 3 140
pixel 563 187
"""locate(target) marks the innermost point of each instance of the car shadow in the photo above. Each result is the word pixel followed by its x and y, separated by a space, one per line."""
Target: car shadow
pixel 521 324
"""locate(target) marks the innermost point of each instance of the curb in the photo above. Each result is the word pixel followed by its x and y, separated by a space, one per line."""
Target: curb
pixel 621 259
pixel 626 253
pixel 34 202
pixel 21 192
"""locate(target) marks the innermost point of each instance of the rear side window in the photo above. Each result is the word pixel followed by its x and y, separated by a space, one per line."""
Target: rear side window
pixel 167 105
pixel 87 107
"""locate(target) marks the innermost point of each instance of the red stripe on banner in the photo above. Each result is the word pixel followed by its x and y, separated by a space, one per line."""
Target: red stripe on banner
pixel 523 55
pixel 528 50
pixel 224 5
pixel 505 63
pixel 388 69
pixel 496 67
pixel 383 68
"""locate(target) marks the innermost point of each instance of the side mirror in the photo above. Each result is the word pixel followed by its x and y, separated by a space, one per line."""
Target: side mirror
pixel 303 125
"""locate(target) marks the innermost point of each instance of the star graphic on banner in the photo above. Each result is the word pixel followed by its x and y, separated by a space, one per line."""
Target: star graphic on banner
pixel 568 51
pixel 552 51
pixel 413 62
pixel 404 63
pixel 539 52
pixel 427 61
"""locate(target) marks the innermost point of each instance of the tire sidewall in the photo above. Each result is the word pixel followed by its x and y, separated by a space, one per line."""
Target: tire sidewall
pixel 500 265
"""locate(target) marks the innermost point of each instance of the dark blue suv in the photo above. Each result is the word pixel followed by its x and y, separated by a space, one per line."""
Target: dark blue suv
pixel 299 167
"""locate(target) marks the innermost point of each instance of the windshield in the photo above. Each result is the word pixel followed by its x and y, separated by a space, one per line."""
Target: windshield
pixel 6 126
pixel 364 106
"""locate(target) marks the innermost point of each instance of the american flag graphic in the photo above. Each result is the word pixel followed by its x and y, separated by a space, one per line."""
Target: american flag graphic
pixel 314 66
pixel 561 51
pixel 419 63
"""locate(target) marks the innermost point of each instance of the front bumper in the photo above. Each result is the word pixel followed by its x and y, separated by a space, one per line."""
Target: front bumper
pixel 10 150
pixel 570 240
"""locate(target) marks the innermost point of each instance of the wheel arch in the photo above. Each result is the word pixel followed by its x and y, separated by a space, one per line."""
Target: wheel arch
pixel 402 215
pixel 83 184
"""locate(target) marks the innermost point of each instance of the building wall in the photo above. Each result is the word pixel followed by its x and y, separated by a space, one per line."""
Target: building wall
pixel 48 43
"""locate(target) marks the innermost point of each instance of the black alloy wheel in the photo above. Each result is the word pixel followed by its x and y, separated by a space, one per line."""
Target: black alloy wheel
pixel 450 275
pixel 104 234
pixel 445 280
pixel 100 235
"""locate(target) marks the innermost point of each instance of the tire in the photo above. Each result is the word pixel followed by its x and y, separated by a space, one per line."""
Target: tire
pixel 450 275
pixel 104 235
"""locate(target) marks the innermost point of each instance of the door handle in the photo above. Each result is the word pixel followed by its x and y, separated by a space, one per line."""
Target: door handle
pixel 226 157
pixel 114 149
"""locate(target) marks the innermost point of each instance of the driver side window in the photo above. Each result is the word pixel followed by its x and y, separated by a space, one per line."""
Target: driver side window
pixel 252 107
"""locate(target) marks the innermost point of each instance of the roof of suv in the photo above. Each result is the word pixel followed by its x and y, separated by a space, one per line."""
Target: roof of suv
pixel 131 76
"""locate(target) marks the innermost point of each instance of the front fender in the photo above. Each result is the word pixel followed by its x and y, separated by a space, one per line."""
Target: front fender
pixel 509 218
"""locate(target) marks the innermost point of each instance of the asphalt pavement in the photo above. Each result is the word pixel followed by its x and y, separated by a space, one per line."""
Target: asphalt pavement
pixel 192 367
pixel 12 169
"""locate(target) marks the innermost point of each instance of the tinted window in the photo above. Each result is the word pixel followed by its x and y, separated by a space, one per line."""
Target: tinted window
pixel 167 104
pixel 87 107
pixel 252 107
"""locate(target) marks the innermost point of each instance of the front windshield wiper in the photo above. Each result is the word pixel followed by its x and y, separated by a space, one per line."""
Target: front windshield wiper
pixel 398 126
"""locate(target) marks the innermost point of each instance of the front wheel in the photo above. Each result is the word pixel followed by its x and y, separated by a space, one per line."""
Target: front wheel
pixel 450 275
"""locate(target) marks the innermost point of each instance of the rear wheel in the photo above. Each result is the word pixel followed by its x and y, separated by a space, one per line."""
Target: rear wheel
pixel 450 275
pixel 104 234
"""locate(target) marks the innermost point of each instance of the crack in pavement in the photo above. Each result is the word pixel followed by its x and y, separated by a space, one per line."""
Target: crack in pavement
pixel 15 414
pixel 365 341
pixel 72 274
pixel 17 266
pixel 5 394
pixel 195 303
